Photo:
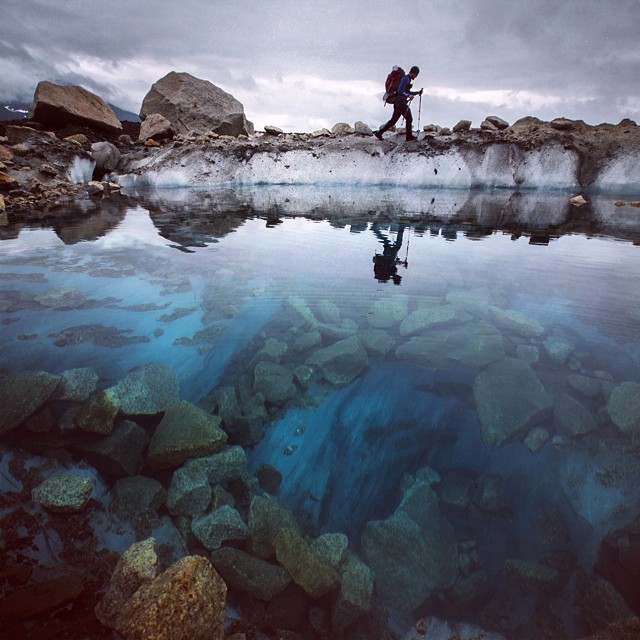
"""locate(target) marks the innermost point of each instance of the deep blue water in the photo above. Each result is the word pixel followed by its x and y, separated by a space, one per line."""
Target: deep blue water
pixel 157 274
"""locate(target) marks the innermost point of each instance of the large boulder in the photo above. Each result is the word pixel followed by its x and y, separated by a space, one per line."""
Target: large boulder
pixel 186 602
pixel 510 399
pixel 341 362
pixel 624 407
pixel 185 431
pixel 64 493
pixel 191 104
pixel 147 390
pixel 56 105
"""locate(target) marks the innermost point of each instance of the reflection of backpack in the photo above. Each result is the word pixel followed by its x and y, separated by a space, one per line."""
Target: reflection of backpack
pixel 391 84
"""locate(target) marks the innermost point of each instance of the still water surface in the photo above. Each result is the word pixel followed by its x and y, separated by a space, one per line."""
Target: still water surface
pixel 432 304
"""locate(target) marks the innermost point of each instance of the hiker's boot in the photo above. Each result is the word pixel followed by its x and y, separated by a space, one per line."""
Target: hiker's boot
pixel 378 134
pixel 411 138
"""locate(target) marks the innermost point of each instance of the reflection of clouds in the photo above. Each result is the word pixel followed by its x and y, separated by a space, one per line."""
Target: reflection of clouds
pixel 30 239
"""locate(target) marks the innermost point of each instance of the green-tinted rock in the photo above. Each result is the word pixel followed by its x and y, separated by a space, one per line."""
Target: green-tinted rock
pixel 266 517
pixel 61 298
pixel 571 418
pixel 148 390
pixel 21 394
pixel 331 547
pixel 557 349
pixel 510 399
pixel 307 569
pixel 274 382
pixel 624 407
pixel 225 523
pixel 248 574
pixel 189 493
pixel 184 432
pixel 354 596
pixel 229 464
pixel 76 384
pixel 64 493
pixel 98 413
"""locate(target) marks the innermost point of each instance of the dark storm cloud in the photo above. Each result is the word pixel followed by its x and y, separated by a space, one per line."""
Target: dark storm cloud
pixel 578 58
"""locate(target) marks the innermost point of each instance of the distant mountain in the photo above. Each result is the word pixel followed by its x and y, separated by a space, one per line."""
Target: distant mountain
pixel 10 110
pixel 123 115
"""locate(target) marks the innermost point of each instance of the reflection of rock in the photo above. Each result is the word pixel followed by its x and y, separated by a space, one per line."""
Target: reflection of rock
pixel 256 577
pixel 624 407
pixel 186 601
pixel 510 399
pixel 184 432
pixel 64 493
pixel 342 361
pixel 148 390
pixel 21 394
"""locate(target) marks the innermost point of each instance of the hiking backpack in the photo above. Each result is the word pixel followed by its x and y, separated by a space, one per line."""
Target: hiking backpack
pixel 391 84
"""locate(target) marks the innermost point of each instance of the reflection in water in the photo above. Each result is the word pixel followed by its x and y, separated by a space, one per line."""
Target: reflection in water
pixel 473 433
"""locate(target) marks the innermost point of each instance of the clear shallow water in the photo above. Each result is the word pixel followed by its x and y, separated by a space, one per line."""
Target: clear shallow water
pixel 211 290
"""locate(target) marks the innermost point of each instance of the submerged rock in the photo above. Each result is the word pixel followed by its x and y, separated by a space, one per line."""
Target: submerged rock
pixel 342 361
pixel 148 390
pixel 510 399
pixel 424 319
pixel 266 517
pixel 76 384
pixel 624 407
pixel 571 418
pixel 274 382
pixel 97 415
pixel 222 524
pixel 186 602
pixel 64 493
pixel 61 298
pixel 516 322
pixel 21 394
pixel 185 431
pixel 355 594
pixel 189 492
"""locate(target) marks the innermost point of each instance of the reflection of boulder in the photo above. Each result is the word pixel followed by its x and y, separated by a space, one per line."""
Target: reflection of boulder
pixel 191 104
pixel 510 399
pixel 56 105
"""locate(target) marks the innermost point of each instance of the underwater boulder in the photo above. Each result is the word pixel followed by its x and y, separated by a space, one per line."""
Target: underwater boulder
pixel 515 322
pixel 98 413
pixel 341 362
pixel 355 593
pixel 266 517
pixel 22 394
pixel 387 312
pixel 624 407
pixel 61 298
pixel 425 318
pixel 137 494
pixel 331 547
pixel 510 399
pixel 572 418
pixel 248 574
pixel 185 431
pixel 274 382
pixel 148 390
pixel 64 493
pixel 305 566
pixel 189 493
pixel 222 524
pixel 186 602
pixel 76 384
pixel 230 463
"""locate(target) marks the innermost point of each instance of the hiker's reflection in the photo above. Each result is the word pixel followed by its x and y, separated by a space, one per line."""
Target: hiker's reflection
pixel 385 264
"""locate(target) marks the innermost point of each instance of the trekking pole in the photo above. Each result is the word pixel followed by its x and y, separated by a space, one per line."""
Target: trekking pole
pixel 419 110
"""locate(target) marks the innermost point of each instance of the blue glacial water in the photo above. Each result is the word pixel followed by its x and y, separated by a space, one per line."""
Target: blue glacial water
pixel 214 284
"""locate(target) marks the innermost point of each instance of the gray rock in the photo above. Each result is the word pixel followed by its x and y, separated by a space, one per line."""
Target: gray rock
pixel 536 438
pixel 76 384
pixel 587 386
pixel 189 493
pixel 248 574
pixel 557 349
pixel 191 104
pixel 571 418
pixel 497 122
pixel 223 524
pixel 473 345
pixel 341 362
pixel 120 454
pixel 157 127
pixel 274 382
pixel 377 342
pixel 273 131
pixel 331 547
pixel 462 125
pixel 306 568
pixel 138 565
pixel 266 517
pixel 515 322
pixel 425 318
pixel 148 390
pixel 185 431
pixel 22 394
pixel 229 464
pixel 98 413
pixel 136 494
pixel 342 129
pixel 387 312
pixel 510 399
pixel 55 105
pixel 64 493
pixel 362 128
pixel 624 407
pixel 528 353
pixel 354 597
pixel 106 155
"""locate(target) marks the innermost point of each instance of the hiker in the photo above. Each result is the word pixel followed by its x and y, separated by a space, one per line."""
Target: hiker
pixel 385 265
pixel 401 104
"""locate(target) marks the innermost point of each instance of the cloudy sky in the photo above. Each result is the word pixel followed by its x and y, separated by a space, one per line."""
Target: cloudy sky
pixel 302 65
